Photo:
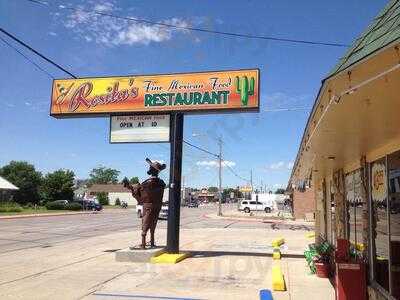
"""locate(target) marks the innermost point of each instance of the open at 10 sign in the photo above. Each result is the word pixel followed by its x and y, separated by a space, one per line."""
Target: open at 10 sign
pixel 139 129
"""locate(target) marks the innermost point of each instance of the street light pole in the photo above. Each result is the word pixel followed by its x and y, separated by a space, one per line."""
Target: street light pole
pixel 251 179
pixel 220 177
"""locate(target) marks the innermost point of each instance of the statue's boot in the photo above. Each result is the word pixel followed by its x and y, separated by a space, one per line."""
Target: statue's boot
pixel 143 246
pixel 152 244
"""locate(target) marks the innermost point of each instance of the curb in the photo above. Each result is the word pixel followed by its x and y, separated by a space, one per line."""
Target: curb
pixel 43 215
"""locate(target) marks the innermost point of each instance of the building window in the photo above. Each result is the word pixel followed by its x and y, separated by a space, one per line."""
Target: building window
pixel 333 218
pixel 393 167
pixel 380 220
pixel 354 204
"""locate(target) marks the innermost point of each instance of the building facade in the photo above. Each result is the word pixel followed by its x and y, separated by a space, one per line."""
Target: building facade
pixel 350 154
pixel 114 192
pixel 303 202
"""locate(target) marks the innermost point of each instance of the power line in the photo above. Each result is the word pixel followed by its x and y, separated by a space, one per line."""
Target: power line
pixel 201 149
pixel 225 33
pixel 287 109
pixel 36 52
pixel 234 173
pixel 27 58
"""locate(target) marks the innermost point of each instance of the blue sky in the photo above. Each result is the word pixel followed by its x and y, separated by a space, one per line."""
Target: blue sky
pixel 90 45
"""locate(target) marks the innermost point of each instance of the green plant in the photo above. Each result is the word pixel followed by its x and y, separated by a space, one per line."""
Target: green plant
pixel 117 202
pixel 55 206
pixel 73 206
pixel 10 207
pixel 103 198
pixel 245 88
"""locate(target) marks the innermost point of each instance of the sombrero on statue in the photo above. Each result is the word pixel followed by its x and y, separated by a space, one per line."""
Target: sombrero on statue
pixel 156 165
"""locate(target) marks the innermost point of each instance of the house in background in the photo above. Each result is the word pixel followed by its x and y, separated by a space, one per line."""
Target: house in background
pixel 6 190
pixel 114 192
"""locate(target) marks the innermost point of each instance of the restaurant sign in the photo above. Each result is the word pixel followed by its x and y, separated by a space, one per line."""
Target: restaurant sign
pixel 139 129
pixel 236 90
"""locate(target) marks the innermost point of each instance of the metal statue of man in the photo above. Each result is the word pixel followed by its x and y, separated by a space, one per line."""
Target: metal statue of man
pixel 149 194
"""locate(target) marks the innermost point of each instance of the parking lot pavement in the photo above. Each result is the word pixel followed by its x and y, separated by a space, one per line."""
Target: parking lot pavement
pixel 71 257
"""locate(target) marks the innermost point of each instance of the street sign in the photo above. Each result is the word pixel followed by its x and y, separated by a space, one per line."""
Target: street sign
pixel 246 189
pixel 139 128
pixel 236 90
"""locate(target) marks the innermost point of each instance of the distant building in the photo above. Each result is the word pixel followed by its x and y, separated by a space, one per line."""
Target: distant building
pixel 6 189
pixel 205 196
pixel 114 192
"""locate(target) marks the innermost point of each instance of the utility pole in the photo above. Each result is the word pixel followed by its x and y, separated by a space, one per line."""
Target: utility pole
pixel 220 177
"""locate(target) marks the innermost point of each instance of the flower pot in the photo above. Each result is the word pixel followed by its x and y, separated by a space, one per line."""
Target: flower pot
pixel 322 269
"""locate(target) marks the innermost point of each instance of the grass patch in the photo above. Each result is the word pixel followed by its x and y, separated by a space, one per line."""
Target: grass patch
pixel 5 211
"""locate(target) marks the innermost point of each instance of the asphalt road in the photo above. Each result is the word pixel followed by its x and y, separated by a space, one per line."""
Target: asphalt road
pixel 42 232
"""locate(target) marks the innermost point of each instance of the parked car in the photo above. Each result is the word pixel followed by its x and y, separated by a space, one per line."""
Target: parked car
pixel 64 202
pixel 163 212
pixel 193 204
pixel 90 205
pixel 251 205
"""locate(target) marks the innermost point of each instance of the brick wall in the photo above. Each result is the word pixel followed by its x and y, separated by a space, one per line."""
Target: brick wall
pixel 303 202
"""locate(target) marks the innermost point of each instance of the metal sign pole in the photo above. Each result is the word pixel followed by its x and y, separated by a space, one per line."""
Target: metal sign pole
pixel 174 204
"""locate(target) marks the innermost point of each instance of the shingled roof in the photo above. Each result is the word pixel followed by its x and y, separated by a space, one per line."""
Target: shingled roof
pixel 108 188
pixel 384 30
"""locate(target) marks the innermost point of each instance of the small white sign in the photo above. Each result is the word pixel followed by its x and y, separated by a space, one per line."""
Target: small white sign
pixel 139 129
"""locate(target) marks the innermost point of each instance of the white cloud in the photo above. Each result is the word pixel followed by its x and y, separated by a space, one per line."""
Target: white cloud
pixel 52 33
pixel 277 166
pixel 114 32
pixel 281 165
pixel 104 7
pixel 283 100
pixel 215 164
pixel 278 185
pixel 290 165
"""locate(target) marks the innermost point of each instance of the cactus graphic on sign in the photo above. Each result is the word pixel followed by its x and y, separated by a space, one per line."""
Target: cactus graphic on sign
pixel 245 88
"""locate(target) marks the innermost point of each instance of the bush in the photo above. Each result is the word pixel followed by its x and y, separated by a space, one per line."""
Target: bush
pixel 73 206
pixel 117 202
pixel 10 207
pixel 29 205
pixel 55 206
pixel 103 198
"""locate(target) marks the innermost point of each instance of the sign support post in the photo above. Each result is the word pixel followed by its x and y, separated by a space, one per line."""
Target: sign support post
pixel 174 205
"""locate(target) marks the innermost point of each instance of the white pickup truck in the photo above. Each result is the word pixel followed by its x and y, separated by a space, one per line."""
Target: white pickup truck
pixel 163 212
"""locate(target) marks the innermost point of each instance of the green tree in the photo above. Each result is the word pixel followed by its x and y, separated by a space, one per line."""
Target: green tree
pixel 102 197
pixel 103 175
pixel 134 180
pixel 26 178
pixel 280 191
pixel 213 189
pixel 58 185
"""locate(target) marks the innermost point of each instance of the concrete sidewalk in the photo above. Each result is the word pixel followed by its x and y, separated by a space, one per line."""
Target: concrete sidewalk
pixel 258 216
pixel 226 264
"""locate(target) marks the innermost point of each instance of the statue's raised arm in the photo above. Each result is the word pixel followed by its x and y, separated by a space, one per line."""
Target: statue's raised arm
pixel 134 188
